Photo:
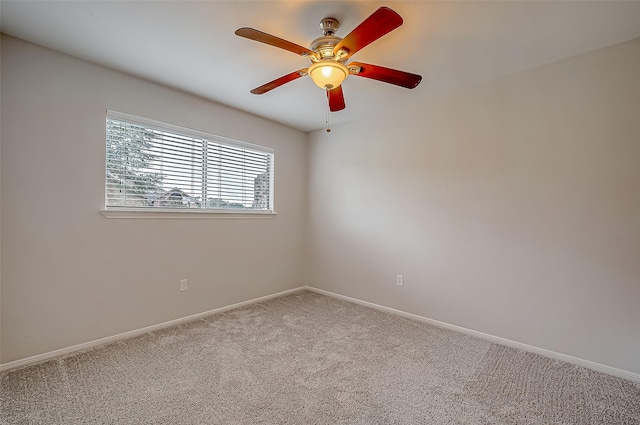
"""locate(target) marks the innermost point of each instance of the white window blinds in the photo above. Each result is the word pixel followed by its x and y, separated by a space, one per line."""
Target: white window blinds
pixel 155 165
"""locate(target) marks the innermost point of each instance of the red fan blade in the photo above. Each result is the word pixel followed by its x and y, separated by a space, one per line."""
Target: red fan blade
pixel 262 37
pixel 279 81
pixel 381 22
pixel 387 75
pixel 336 99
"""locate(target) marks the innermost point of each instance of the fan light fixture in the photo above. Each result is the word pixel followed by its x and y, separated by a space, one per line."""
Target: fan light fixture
pixel 329 54
pixel 328 74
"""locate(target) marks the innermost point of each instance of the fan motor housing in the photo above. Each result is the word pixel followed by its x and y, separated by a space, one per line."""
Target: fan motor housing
pixel 324 45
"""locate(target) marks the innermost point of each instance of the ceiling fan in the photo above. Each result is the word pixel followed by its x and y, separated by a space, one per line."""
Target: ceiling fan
pixel 329 54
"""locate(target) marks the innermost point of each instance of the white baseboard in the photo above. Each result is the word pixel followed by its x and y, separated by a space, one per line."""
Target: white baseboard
pixel 46 356
pixel 620 373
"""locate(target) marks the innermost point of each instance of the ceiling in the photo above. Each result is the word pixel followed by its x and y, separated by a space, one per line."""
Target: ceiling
pixel 191 45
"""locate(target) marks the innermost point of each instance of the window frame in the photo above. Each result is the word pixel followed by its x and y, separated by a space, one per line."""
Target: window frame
pixel 157 212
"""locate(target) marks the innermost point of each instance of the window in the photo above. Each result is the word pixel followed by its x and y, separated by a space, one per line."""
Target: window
pixel 152 165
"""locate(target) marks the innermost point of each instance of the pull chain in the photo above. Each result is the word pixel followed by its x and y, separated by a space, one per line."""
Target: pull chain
pixel 327 119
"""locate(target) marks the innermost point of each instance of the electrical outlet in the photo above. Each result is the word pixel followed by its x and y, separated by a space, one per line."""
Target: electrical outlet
pixel 184 284
pixel 399 280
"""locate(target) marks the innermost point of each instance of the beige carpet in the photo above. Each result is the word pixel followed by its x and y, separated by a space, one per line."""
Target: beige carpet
pixel 311 359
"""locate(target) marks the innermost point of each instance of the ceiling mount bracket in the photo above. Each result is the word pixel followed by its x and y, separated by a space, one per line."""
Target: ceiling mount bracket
pixel 329 26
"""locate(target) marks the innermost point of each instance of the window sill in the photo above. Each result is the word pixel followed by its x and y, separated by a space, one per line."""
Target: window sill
pixel 185 213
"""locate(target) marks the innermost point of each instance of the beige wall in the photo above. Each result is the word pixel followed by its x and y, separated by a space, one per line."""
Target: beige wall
pixel 69 275
pixel 512 208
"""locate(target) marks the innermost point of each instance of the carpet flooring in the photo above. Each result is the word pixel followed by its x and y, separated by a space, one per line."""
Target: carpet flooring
pixel 311 359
